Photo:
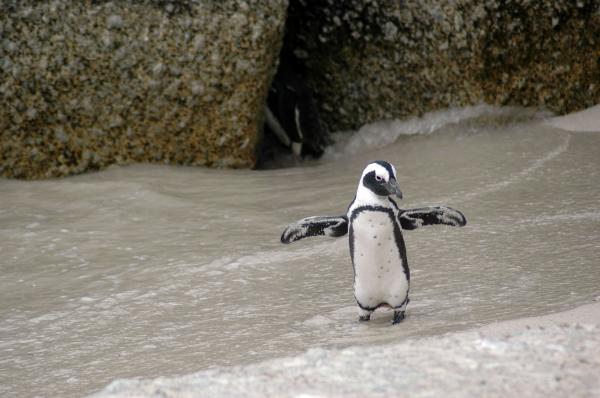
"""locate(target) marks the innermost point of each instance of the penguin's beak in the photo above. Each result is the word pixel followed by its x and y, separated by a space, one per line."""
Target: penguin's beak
pixel 393 188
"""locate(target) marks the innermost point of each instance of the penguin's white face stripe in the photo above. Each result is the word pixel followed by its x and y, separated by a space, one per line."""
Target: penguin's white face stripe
pixel 377 182
pixel 381 173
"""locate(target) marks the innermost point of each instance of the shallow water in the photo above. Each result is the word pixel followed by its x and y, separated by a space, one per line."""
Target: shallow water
pixel 150 270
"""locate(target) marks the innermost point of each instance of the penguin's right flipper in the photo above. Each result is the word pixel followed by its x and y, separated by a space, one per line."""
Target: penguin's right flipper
pixel 415 218
pixel 335 226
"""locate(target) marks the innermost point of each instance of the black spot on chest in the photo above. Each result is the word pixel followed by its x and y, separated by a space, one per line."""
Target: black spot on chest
pixel 396 231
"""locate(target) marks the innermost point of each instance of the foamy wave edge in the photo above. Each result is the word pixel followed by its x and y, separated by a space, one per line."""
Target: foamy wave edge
pixel 386 132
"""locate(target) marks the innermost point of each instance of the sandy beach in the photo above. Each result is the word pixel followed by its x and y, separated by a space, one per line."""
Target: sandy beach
pixel 588 314
pixel 587 120
pixel 136 282
pixel 547 356
pixel 551 355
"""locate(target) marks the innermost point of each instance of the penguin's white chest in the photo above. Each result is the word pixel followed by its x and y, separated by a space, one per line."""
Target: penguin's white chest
pixel 379 272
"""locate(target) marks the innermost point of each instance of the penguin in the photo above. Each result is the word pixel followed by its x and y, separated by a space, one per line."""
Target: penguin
pixel 292 121
pixel 374 225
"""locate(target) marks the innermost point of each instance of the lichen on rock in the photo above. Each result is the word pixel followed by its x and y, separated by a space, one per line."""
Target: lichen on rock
pixel 369 60
pixel 85 84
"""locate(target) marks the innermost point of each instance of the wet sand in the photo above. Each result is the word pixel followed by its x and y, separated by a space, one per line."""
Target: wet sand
pixel 542 356
pixel 148 271
pixel 545 356
pixel 588 314
pixel 587 120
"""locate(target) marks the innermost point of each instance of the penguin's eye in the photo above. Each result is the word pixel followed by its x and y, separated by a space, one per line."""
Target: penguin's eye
pixel 378 178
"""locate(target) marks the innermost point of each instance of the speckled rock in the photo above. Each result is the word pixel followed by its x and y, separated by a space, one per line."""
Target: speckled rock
pixel 85 84
pixel 368 60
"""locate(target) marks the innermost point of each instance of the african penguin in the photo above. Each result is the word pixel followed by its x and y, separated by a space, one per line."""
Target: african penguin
pixel 381 274
pixel 291 115
pixel 374 223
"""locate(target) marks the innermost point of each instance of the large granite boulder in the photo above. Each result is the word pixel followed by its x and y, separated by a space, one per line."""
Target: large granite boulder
pixel 84 84
pixel 368 60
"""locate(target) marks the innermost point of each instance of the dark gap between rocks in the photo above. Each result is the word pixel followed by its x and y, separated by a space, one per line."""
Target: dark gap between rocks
pixel 293 130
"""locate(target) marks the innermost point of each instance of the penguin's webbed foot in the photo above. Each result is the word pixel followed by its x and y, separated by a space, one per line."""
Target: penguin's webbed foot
pixel 398 317
pixel 364 318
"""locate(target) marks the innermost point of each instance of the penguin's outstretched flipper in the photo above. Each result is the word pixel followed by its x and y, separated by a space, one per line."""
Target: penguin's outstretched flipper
pixel 314 226
pixel 416 218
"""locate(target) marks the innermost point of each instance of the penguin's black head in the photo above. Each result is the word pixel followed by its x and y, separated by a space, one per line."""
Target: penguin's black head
pixel 380 178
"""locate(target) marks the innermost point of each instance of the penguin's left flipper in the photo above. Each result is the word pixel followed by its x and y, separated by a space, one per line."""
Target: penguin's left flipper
pixel 416 218
pixel 335 226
